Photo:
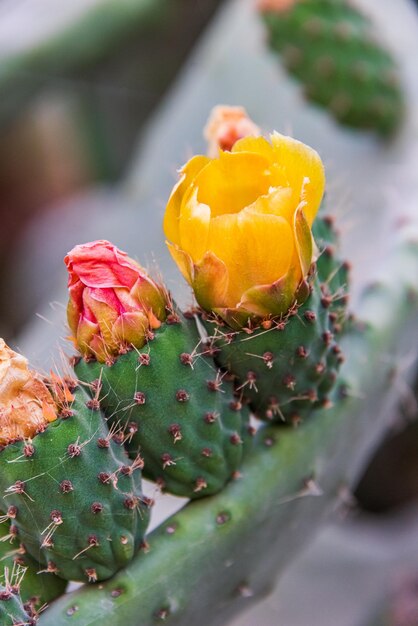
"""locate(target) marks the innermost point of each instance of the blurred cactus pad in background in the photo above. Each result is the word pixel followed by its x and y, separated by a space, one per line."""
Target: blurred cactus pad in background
pixel 333 49
pixel 257 388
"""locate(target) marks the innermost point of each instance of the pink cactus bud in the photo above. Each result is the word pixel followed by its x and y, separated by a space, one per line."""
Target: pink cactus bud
pixel 113 302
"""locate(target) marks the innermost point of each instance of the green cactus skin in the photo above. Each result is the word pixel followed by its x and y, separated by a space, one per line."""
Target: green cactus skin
pixel 330 47
pixel 176 409
pixel 221 554
pixel 36 589
pixel 12 611
pixel 287 370
pixel 79 509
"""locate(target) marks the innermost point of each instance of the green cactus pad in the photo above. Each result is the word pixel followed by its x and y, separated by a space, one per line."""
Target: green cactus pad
pixel 12 611
pixel 330 47
pixel 332 272
pixel 176 408
pixel 74 497
pixel 286 367
pixel 36 589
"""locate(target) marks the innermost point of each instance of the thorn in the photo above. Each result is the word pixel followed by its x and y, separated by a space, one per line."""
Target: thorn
pixel 302 352
pixel 74 449
pixel 182 395
pixel 144 359
pixel 28 450
pixel 268 358
pixel 186 358
pixel 139 397
pixel 310 316
pixel 211 417
pixel 91 574
pixel 167 460
pixel 66 486
pixel 289 382
pixel 200 484
pixel 222 518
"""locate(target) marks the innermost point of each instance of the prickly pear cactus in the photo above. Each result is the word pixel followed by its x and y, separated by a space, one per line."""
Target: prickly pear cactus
pixel 331 48
pixel 176 409
pixel 290 481
pixel 73 496
pixel 35 589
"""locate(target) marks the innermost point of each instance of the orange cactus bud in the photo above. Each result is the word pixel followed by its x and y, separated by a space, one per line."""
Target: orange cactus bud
pixel 113 302
pixel 276 6
pixel 225 126
pixel 26 405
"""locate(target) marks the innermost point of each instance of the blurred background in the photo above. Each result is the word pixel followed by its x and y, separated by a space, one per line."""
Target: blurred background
pixel 100 102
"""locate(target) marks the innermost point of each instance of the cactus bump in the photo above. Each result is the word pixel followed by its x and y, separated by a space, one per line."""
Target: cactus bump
pixel 332 49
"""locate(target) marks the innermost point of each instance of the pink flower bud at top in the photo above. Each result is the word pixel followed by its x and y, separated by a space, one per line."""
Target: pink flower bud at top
pixel 225 126
pixel 113 302
pixel 275 6
pixel 26 405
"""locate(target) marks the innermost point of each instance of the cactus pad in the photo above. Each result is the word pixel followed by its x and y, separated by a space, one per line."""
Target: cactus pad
pixel 176 408
pixel 73 496
pixel 331 48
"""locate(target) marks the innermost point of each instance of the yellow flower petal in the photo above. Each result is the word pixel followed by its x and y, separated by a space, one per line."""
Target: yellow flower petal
pixel 232 182
pixel 304 244
pixel 210 282
pixel 183 260
pixel 172 213
pixel 256 249
pixel 279 202
pixel 304 171
pixel 194 227
pixel 256 145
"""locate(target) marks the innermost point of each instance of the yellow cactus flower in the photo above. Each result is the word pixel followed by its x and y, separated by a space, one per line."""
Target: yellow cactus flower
pixel 26 405
pixel 239 226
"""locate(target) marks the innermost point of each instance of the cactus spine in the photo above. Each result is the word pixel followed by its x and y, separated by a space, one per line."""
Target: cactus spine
pixel 330 47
